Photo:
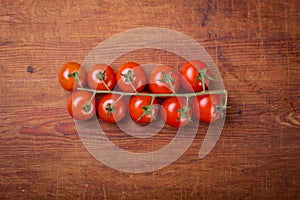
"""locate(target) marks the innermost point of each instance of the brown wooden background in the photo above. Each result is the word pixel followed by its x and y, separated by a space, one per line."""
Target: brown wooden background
pixel 256 46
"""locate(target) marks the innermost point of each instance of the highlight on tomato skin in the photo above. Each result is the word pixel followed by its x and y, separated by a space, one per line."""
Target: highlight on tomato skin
pixel 111 108
pixel 71 76
pixel 81 105
pixel 176 111
pixel 205 108
pixel 101 77
pixel 131 77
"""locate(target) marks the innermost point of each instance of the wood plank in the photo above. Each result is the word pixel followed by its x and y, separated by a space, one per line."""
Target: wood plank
pixel 256 46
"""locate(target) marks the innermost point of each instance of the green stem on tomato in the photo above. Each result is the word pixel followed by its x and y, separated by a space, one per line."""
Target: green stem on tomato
pixel 131 84
pixel 202 76
pixel 167 78
pixel 76 77
pixel 86 108
pixel 129 78
pixel 184 111
pixel 101 77
pixel 226 99
pixel 105 85
pixel 118 99
pixel 92 97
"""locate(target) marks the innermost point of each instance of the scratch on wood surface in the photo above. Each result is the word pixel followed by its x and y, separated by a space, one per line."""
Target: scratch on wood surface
pixel 230 182
pixel 245 151
pixel 217 60
pixel 281 122
pixel 287 60
pixel 260 27
pixel 153 183
pixel 57 187
pixel 286 20
pixel 266 179
pixel 266 157
pixel 259 18
pixel 104 192
pixel 123 195
pixel 293 119
pixel 181 197
pixel 12 164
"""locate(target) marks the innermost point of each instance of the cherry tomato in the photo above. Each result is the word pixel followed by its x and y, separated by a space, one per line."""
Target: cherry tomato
pixel 131 76
pixel 79 107
pixel 111 108
pixel 68 73
pixel 192 74
pixel 141 110
pixel 207 107
pixel 175 112
pixel 101 77
pixel 164 79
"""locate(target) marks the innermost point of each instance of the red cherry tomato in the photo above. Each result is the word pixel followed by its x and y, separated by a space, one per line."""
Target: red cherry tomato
pixel 79 107
pixel 192 73
pixel 101 77
pixel 175 112
pixel 206 106
pixel 131 76
pixel 141 111
pixel 164 79
pixel 111 108
pixel 68 73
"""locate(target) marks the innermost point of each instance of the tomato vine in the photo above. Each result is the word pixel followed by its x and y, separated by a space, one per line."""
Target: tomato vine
pixel 167 81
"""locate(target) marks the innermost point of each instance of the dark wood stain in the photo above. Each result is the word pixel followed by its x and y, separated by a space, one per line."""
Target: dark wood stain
pixel 30 69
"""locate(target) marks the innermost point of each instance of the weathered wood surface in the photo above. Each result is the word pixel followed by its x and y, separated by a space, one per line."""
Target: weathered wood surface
pixel 256 46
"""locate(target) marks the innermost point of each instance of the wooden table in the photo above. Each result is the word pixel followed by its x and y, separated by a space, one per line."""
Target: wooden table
pixel 256 46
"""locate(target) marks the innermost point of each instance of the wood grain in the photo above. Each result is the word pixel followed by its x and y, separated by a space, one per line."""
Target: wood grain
pixel 256 46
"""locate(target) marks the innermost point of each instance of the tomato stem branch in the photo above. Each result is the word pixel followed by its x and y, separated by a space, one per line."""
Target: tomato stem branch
pixel 226 99
pixel 131 84
pixel 152 100
pixel 105 85
pixel 92 97
pixel 185 109
pixel 157 95
pixel 117 100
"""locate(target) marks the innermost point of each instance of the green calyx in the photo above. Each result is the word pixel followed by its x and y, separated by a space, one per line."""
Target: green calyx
pixel 76 77
pixel 86 108
pixel 220 107
pixel 167 78
pixel 184 112
pixel 109 108
pixel 148 110
pixel 101 75
pixel 202 75
pixel 129 76
pixel 74 74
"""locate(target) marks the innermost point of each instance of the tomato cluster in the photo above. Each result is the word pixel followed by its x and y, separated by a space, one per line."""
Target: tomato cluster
pixel 177 96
